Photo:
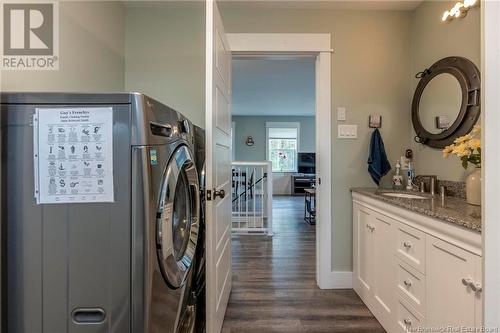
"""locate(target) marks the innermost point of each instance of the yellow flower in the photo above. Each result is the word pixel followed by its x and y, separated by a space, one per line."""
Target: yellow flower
pixel 447 150
pixel 476 130
pixel 462 139
pixel 461 150
pixel 467 147
pixel 474 144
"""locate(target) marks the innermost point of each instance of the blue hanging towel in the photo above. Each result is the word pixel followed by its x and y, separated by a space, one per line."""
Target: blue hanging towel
pixel 378 165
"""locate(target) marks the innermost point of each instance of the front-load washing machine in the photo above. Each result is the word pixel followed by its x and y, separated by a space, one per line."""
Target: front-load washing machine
pixel 100 213
pixel 193 308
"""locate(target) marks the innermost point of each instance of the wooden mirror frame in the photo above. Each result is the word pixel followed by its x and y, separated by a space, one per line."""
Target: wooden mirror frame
pixel 468 76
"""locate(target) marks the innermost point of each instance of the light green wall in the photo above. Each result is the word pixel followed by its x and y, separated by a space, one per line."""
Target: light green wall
pixel 157 49
pixel 432 40
pixel 256 127
pixel 161 53
pixel 91 48
pixel 165 55
pixel 370 66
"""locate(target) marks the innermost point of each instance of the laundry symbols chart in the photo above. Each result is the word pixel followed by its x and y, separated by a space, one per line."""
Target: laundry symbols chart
pixel 73 155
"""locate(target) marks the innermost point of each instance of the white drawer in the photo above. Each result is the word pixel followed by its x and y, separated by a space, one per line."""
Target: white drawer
pixel 411 285
pixel 408 320
pixel 411 246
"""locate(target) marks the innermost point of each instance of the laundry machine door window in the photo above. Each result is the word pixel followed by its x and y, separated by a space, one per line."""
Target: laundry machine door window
pixel 181 217
pixel 178 218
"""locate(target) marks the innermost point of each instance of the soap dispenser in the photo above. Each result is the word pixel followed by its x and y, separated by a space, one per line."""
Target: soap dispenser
pixel 397 178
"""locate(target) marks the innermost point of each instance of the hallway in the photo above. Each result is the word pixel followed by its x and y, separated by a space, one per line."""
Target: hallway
pixel 274 287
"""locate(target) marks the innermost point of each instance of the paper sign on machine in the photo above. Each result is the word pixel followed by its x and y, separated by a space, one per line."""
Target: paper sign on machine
pixel 73 155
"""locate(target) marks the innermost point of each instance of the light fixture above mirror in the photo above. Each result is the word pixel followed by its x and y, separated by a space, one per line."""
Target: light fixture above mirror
pixel 459 10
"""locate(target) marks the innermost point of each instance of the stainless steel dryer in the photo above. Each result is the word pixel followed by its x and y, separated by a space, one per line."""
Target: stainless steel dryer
pixel 199 277
pixel 113 267
pixel 193 308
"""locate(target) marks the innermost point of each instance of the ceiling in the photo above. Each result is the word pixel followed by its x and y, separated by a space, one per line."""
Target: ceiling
pixel 172 4
pixel 273 87
pixel 400 5
pixel 405 5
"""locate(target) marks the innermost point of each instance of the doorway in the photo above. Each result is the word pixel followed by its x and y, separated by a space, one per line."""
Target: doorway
pixel 316 48
pixel 273 112
pixel 273 116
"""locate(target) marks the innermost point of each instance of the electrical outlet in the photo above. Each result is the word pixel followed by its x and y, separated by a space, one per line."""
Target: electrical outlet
pixel 347 131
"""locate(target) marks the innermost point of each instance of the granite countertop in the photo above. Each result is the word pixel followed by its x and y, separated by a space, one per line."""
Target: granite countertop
pixel 450 209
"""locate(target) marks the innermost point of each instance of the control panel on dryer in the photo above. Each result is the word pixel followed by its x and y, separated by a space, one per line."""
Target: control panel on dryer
pixel 161 129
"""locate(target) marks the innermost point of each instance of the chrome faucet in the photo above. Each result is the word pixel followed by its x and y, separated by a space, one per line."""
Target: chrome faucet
pixel 432 183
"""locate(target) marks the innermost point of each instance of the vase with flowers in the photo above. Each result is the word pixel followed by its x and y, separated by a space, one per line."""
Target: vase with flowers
pixel 468 149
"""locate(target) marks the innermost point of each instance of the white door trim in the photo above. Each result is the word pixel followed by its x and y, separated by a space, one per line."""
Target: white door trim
pixel 490 16
pixel 317 46
pixel 269 43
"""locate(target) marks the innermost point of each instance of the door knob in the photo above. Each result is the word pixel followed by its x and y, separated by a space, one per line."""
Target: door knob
pixel 407 322
pixel 407 245
pixel 221 193
pixel 407 283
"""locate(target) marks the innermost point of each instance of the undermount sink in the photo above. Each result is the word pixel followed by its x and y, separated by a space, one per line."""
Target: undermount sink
pixel 403 195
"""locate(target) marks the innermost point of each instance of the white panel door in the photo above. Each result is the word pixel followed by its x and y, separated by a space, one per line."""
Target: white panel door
pixel 384 267
pixel 363 252
pixel 449 269
pixel 218 167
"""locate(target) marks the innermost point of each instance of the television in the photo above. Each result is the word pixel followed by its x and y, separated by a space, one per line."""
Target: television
pixel 306 163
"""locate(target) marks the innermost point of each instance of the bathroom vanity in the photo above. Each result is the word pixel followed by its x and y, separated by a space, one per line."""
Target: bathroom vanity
pixel 417 261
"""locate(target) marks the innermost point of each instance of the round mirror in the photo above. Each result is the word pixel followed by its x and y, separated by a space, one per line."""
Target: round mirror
pixel 440 103
pixel 447 101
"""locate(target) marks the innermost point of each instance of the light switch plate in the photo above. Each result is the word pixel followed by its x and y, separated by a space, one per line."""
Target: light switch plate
pixel 341 116
pixel 347 131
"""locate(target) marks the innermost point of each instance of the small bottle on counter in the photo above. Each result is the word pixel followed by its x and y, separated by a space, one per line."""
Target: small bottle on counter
pixel 397 178
pixel 410 176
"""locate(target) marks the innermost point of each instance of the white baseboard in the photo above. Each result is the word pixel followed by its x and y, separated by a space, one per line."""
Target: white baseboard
pixel 337 280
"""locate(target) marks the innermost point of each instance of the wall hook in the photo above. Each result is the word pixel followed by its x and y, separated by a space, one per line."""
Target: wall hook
pixel 375 121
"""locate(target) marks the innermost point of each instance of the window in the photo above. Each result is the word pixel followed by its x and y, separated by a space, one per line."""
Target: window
pixel 282 146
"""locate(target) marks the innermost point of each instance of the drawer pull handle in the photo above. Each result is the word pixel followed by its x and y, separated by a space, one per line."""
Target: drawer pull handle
pixel 467 282
pixel 88 315
pixel 476 287
pixel 407 322
pixel 407 283
pixel 407 245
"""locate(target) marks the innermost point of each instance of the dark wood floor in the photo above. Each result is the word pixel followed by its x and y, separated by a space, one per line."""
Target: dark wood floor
pixel 274 287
